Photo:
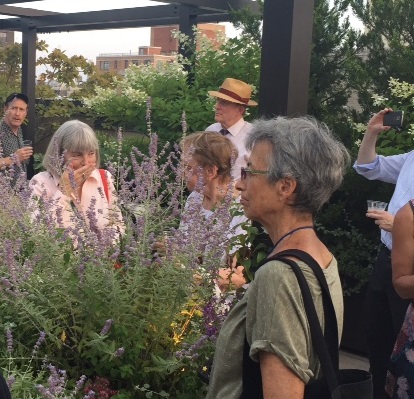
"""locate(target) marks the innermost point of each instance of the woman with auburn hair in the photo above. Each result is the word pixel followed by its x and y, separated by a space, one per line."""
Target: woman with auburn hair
pixel 207 159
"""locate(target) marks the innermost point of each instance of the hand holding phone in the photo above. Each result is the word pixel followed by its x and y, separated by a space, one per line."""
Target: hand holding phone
pixel 394 119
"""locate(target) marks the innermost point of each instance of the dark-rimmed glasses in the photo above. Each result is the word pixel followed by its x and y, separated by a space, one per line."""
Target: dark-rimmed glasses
pixel 247 171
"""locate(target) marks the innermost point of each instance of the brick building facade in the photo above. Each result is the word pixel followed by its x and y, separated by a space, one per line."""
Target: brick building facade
pixel 6 37
pixel 163 48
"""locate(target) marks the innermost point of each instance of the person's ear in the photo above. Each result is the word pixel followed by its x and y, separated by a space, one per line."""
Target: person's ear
pixel 211 172
pixel 242 110
pixel 287 187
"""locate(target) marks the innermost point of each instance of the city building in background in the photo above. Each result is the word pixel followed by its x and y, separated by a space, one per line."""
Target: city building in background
pixel 163 48
pixel 6 37
pixel 118 62
pixel 162 36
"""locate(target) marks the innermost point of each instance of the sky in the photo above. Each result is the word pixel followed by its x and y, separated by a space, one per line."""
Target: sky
pixel 90 44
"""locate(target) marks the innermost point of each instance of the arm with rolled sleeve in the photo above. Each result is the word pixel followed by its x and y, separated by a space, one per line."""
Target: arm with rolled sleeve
pixel 386 169
pixel 277 327
pixel 277 330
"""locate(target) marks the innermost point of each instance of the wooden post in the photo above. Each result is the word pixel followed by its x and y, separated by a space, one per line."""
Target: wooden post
pixel 286 55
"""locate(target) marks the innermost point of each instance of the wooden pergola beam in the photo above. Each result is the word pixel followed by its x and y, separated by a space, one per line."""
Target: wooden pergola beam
pixel 23 12
pixel 15 1
pixel 218 5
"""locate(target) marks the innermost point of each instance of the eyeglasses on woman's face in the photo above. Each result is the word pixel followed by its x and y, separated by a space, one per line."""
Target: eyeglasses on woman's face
pixel 247 171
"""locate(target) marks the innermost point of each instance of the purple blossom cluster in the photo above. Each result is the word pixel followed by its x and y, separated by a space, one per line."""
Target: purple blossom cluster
pixel 55 383
pixel 119 352
pixel 192 352
pixel 56 386
pixel 9 340
pixel 107 326
pixel 40 340
pixel 148 114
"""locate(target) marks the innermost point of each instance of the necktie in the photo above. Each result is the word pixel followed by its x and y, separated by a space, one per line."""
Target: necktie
pixel 224 132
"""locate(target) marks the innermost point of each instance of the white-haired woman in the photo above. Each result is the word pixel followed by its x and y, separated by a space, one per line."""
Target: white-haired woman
pixel 294 167
pixel 74 187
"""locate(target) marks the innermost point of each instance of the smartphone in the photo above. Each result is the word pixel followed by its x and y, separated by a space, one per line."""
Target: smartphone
pixel 393 118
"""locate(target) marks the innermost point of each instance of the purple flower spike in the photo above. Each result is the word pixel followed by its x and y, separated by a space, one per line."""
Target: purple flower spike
pixel 41 339
pixel 106 327
pixel 119 352
pixel 9 338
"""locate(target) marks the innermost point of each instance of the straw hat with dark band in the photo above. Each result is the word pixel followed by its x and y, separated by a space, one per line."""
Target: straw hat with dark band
pixel 235 91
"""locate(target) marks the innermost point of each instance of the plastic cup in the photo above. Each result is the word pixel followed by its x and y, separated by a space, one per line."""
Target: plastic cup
pixel 381 206
pixel 27 143
pixel 376 205
pixel 371 204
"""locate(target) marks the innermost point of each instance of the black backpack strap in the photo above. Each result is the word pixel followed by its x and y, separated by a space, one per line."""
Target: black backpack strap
pixel 252 376
pixel 327 347
pixel 4 389
pixel 329 368
pixel 331 326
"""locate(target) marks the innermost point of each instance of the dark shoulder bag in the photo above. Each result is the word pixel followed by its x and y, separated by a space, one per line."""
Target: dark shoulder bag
pixel 4 389
pixel 335 383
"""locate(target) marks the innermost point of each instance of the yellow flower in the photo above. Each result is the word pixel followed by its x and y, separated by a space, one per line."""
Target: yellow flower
pixel 63 336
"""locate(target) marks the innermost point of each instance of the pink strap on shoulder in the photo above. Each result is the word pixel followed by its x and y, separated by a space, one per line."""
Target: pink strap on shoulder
pixel 105 183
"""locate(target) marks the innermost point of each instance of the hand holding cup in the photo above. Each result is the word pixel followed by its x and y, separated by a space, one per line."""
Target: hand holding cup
pixel 383 219
pixel 24 152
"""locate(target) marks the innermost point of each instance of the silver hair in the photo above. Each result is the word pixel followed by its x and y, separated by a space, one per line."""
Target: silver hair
pixel 72 136
pixel 305 150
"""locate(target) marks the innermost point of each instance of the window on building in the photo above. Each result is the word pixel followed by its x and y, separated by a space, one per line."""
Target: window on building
pixel 126 64
pixel 135 62
pixel 147 62
pixel 105 65
pixel 115 64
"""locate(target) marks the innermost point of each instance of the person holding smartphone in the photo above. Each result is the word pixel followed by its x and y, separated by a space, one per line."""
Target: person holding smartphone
pixel 385 310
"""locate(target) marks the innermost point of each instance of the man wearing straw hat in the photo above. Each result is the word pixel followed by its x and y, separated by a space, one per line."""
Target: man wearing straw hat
pixel 233 97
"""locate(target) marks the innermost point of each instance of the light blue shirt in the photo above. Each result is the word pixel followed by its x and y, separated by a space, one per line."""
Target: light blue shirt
pixel 396 169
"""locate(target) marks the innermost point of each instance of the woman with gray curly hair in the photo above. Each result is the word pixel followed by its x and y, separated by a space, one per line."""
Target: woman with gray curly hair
pixel 294 167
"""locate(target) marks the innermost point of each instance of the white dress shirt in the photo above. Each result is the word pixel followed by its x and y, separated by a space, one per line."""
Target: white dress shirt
pixel 237 136
pixel 396 169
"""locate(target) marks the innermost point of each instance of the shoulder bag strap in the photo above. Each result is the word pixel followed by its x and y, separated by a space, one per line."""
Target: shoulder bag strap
pixel 105 183
pixel 331 326
pixel 329 369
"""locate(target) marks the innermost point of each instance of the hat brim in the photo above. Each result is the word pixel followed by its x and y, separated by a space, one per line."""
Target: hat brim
pixel 251 103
